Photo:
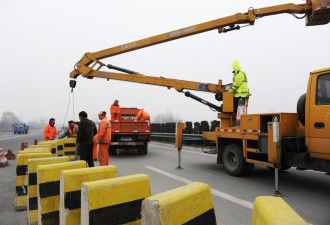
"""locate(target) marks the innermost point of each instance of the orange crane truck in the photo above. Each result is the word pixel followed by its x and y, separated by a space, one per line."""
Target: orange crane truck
pixel 128 133
pixel 276 140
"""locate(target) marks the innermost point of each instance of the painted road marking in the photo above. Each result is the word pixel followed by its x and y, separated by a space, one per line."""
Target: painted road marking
pixel 220 194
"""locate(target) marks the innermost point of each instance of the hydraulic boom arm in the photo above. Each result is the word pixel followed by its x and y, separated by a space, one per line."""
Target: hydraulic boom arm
pixel 317 12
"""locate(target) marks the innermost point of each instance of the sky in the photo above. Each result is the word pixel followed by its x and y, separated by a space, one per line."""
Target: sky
pixel 42 40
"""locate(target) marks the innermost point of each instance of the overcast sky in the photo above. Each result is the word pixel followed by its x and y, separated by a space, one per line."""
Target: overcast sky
pixel 42 40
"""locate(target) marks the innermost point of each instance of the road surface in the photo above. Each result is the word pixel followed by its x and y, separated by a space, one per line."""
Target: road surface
pixel 306 191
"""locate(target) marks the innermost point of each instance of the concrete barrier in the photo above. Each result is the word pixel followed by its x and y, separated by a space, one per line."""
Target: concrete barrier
pixel 274 210
pixel 190 204
pixel 69 145
pixel 34 150
pixel 48 181
pixel 70 190
pixel 32 184
pixel 114 201
pixel 43 147
pixel 59 147
pixel 52 144
pixel 22 178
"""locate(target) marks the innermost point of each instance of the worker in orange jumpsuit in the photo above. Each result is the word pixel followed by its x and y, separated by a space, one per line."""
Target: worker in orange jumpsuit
pixel 95 151
pixel 50 131
pixel 115 111
pixel 103 138
pixel 142 116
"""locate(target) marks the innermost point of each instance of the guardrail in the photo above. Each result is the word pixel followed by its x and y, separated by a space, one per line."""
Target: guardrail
pixel 6 130
pixel 187 139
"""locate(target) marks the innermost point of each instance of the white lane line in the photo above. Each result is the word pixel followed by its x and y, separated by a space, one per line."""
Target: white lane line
pixel 172 149
pixel 26 135
pixel 220 194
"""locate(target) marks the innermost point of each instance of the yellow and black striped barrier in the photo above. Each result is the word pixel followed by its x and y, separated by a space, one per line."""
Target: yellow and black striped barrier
pixel 69 145
pixel 48 181
pixel 52 144
pixel 22 178
pixel 274 210
pixel 70 190
pixel 32 184
pixel 190 204
pixel 52 151
pixel 34 150
pixel 59 148
pixel 114 201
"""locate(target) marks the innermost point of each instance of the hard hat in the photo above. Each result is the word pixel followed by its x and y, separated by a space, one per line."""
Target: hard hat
pixel 102 113
pixel 116 101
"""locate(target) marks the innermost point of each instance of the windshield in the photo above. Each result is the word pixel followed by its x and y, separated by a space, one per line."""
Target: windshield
pixel 323 90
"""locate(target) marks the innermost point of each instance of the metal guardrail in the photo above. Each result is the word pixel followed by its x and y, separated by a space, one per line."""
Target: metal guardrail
pixel 6 130
pixel 196 137
pixel 188 139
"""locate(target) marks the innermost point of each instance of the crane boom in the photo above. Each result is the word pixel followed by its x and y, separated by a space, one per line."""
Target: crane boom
pixel 317 12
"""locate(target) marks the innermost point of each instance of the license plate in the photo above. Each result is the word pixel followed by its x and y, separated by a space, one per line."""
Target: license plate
pixel 126 139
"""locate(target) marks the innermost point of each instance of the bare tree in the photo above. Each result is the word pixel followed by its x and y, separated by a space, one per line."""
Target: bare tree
pixel 166 117
pixel 8 119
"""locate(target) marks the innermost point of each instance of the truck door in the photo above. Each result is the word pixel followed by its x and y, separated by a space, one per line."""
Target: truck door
pixel 319 117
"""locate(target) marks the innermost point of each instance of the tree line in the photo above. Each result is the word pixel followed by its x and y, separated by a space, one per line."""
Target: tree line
pixel 9 118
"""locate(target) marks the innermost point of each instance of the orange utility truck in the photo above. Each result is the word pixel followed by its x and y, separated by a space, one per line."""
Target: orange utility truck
pixel 128 133
pixel 276 140
pixel 281 140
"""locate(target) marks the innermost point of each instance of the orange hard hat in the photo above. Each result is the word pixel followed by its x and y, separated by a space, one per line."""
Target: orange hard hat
pixel 102 113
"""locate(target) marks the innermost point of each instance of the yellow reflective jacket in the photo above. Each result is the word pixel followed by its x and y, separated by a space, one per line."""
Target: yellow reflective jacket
pixel 240 86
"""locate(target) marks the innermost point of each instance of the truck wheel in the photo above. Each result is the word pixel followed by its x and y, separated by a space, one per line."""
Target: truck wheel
pixel 301 108
pixel 233 160
pixel 140 150
pixel 145 148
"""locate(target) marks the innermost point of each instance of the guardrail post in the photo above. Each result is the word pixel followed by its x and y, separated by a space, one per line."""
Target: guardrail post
pixel 178 141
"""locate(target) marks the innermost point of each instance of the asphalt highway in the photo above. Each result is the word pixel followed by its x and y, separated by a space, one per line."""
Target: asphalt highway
pixel 305 191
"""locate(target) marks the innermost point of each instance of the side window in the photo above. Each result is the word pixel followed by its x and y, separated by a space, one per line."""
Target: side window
pixel 323 90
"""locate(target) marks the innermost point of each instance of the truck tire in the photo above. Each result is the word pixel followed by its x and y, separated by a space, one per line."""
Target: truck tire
pixel 233 160
pixel 140 150
pixel 301 109
pixel 145 148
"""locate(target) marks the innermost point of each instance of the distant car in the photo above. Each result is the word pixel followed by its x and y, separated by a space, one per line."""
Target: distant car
pixel 20 128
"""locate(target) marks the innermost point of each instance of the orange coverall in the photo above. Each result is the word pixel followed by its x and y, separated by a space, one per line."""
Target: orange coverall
pixel 103 136
pixel 142 116
pixel 50 131
pixel 115 109
pixel 94 150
